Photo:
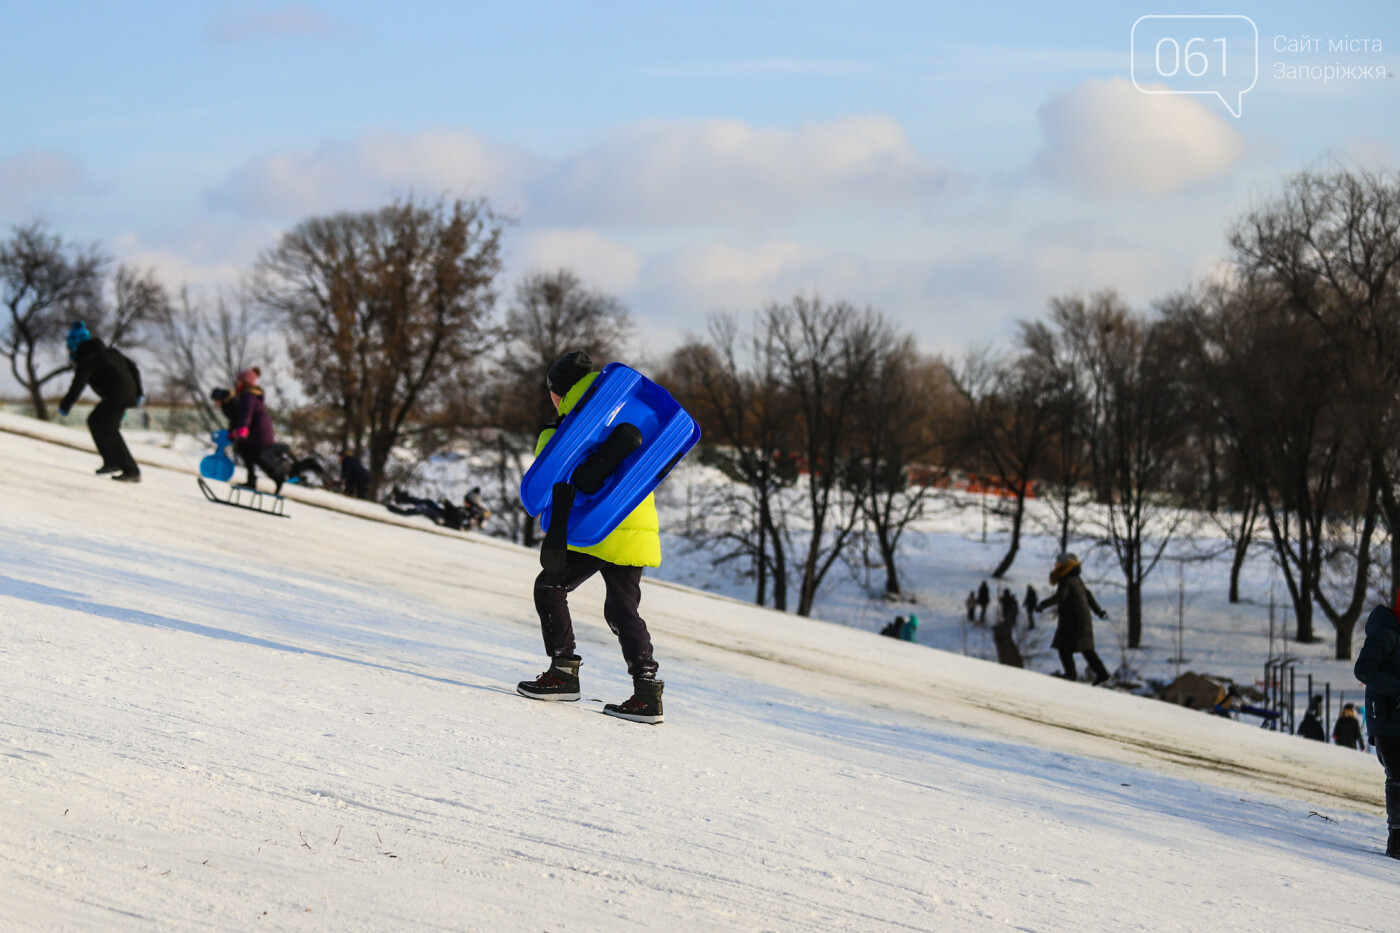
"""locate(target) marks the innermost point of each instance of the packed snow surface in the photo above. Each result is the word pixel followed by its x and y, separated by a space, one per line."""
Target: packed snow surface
pixel 213 719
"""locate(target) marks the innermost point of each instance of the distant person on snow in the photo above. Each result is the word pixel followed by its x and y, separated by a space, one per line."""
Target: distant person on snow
pixel 354 478
pixel 894 629
pixel 402 503
pixel 1074 633
pixel 1347 731
pixel 984 596
pixel 1030 606
pixel 1311 726
pixel 971 606
pixel 619 558
pixel 1378 667
pixel 477 512
pixel 117 382
pixel 1008 609
pixel 1003 633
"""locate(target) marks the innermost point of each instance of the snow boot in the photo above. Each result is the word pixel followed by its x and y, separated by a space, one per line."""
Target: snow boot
pixel 107 468
pixel 560 682
pixel 1392 847
pixel 645 704
pixel 127 476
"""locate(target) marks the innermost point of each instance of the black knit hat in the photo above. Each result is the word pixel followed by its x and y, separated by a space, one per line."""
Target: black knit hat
pixel 568 370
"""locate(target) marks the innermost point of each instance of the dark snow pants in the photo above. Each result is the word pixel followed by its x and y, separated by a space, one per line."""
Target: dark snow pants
pixel 1091 658
pixel 105 423
pixel 1388 751
pixel 624 595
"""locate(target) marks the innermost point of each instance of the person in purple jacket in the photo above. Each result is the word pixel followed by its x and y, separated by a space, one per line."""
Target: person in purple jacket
pixel 253 431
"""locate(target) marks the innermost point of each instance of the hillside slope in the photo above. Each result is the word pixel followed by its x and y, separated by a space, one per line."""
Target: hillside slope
pixel 215 719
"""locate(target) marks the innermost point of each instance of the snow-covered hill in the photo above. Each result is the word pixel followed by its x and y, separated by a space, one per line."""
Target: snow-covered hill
pixel 212 719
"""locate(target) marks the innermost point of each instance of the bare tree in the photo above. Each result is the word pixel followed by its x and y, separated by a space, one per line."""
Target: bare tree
pixel 553 313
pixel 380 307
pixel 827 354
pixel 731 382
pixel 1287 419
pixel 902 423
pixel 196 346
pixel 1009 421
pixel 1056 363
pixel 1329 245
pixel 44 283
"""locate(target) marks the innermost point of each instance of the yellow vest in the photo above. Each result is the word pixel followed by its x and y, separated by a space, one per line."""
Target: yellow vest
pixel 636 541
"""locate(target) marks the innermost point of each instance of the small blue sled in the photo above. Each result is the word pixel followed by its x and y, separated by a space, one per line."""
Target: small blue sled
pixel 219 465
pixel 612 449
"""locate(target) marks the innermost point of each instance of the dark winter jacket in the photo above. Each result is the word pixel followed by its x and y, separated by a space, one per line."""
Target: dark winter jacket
pixel 1347 732
pixel 353 473
pixel 233 411
pixel 1311 727
pixel 1378 667
pixel 252 414
pixel 112 376
pixel 1074 602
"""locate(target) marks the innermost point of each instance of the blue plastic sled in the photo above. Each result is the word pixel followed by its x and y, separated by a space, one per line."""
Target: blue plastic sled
pixel 618 396
pixel 219 465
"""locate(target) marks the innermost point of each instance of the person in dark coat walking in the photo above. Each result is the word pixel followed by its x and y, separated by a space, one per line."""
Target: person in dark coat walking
pixel 354 478
pixel 1311 727
pixel 1074 633
pixel 117 382
pixel 1347 731
pixel 984 596
pixel 1008 609
pixel 1030 606
pixel 1378 667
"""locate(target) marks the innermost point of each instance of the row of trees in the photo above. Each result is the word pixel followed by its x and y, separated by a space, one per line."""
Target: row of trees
pixel 1268 394
pixel 1266 398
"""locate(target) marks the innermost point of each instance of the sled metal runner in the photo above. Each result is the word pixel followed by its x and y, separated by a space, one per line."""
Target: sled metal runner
pixel 241 497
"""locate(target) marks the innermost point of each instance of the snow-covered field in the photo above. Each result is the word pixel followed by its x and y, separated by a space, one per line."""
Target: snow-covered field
pixel 953 550
pixel 215 719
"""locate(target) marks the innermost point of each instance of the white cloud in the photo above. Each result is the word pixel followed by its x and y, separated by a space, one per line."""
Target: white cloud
pixel 665 174
pixel 369 170
pixel 601 262
pixel 262 21
pixel 725 170
pixel 1107 137
pixel 29 181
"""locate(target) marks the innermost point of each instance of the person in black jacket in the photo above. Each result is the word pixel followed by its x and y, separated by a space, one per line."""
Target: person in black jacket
pixel 117 382
pixel 1347 731
pixel 1075 630
pixel 354 478
pixel 1378 667
pixel 1311 727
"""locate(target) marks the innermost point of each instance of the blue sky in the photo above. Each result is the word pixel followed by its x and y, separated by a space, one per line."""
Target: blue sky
pixel 954 165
